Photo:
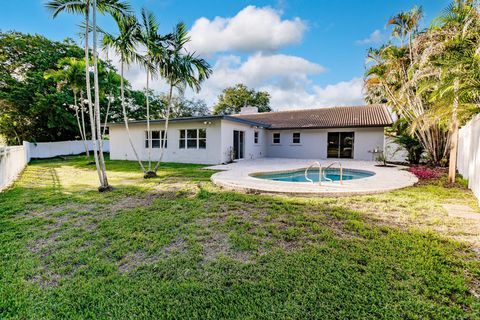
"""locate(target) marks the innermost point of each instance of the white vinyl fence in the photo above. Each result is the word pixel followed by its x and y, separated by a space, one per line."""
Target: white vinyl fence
pixel 12 161
pixel 43 150
pixel 468 161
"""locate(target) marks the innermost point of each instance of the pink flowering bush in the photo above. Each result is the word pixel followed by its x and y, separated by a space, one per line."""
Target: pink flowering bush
pixel 424 172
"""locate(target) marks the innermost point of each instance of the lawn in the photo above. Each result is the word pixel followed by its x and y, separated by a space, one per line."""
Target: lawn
pixel 179 247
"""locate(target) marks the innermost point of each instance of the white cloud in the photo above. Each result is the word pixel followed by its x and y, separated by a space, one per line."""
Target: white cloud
pixel 301 96
pixel 252 29
pixel 285 77
pixel 374 37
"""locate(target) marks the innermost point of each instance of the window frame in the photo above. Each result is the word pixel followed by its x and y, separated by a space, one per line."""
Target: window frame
pixel 199 137
pixel 161 136
pixel 256 137
pixel 299 138
pixel 279 138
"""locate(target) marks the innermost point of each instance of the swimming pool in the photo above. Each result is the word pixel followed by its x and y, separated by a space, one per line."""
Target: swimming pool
pixel 299 175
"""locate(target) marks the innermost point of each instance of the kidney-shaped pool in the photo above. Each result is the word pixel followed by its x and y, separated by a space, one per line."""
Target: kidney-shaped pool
pixel 331 174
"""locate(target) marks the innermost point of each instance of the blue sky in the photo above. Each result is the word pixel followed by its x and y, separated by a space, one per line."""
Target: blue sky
pixel 305 53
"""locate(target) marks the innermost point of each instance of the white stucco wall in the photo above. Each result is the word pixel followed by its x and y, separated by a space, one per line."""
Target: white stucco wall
pixel 252 150
pixel 120 148
pixel 314 143
pixel 220 139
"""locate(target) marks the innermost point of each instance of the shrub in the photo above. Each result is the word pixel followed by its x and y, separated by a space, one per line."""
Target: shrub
pixel 424 172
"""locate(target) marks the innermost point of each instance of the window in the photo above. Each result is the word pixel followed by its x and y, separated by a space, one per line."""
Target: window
pixel 193 139
pixel 296 137
pixel 255 137
pixel 156 140
pixel 276 138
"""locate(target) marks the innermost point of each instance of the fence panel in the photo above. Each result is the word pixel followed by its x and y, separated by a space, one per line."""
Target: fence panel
pixel 43 150
pixel 468 157
pixel 12 161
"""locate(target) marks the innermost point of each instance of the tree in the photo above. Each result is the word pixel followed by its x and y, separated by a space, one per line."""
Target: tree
pixel 124 43
pixel 232 99
pixel 156 51
pixel 71 73
pixel 114 7
pixel 181 69
pixel 32 109
pixel 390 74
pixel 450 69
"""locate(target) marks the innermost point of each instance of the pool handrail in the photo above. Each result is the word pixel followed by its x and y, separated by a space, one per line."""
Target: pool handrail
pixel 319 172
pixel 329 166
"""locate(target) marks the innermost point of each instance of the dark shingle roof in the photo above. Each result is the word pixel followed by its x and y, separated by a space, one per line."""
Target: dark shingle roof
pixel 374 115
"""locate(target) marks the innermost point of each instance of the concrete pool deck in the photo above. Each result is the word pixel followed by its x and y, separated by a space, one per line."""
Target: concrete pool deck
pixel 238 176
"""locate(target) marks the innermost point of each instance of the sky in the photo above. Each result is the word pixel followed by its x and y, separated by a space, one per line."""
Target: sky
pixel 306 54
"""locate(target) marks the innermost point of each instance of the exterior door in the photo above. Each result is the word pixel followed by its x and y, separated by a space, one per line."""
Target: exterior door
pixel 238 144
pixel 340 145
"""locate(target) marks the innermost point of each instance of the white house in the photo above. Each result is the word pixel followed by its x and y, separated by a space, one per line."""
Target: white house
pixel 352 132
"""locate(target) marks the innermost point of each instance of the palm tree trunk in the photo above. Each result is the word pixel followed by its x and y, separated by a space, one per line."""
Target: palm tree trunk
pixel 89 94
pixel 167 117
pixel 98 124
pixel 125 117
pixel 78 122
pixel 149 133
pixel 452 165
pixel 82 112
pixel 106 117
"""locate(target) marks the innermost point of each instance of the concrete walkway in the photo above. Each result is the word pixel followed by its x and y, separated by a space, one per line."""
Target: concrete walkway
pixel 237 176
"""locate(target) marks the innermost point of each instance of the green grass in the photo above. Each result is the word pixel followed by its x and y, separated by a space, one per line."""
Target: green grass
pixel 178 247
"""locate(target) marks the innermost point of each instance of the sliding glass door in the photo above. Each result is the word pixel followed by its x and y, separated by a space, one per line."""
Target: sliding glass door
pixel 340 145
pixel 238 144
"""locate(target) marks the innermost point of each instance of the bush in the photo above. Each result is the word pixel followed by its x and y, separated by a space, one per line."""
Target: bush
pixel 424 172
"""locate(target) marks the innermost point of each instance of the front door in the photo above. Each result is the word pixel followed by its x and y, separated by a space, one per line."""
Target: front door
pixel 340 145
pixel 238 144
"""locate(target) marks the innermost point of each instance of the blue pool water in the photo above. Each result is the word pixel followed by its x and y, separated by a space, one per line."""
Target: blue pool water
pixel 299 176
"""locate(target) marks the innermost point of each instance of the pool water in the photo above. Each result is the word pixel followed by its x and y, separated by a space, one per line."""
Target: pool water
pixel 331 173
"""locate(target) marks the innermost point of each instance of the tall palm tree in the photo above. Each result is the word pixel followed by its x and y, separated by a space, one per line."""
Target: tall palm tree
pixel 124 43
pixel 83 7
pixel 181 69
pixel 155 55
pixel 71 73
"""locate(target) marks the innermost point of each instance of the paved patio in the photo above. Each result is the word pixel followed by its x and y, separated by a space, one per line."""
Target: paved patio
pixel 237 176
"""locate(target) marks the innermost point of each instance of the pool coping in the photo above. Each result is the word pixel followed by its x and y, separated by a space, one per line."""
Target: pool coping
pixel 238 176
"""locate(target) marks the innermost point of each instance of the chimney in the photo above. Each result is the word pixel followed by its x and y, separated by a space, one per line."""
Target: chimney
pixel 248 110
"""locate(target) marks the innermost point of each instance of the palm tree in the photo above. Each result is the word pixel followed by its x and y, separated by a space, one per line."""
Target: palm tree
pixel 405 25
pixel 181 69
pixel 83 7
pixel 71 73
pixel 156 53
pixel 451 67
pixel 125 46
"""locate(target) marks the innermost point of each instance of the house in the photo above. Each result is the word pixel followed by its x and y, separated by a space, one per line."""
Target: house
pixel 351 132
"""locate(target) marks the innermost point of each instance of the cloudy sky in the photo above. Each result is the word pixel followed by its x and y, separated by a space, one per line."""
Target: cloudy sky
pixel 304 53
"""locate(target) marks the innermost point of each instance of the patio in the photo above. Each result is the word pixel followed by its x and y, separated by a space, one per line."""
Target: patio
pixel 238 176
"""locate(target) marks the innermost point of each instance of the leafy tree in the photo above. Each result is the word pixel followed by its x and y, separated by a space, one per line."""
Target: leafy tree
pixel 71 73
pixel 391 76
pixel 32 108
pixel 450 69
pixel 232 99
